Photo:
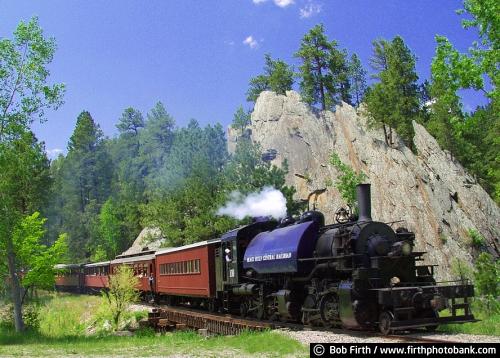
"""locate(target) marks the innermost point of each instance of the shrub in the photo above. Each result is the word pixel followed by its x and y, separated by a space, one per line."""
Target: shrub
pixel 487 275
pixel 145 332
pixel 347 181
pixel 31 316
pixel 6 315
pixel 487 282
pixel 122 291
pixel 462 270
pixel 477 240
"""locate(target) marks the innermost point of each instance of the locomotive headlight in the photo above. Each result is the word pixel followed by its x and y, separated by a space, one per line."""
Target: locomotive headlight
pixel 406 248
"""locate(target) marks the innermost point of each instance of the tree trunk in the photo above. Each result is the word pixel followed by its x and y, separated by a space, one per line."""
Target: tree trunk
pixel 322 90
pixel 16 288
pixel 385 135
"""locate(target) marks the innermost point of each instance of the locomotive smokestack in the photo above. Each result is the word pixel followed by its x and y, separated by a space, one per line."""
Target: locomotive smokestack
pixel 364 202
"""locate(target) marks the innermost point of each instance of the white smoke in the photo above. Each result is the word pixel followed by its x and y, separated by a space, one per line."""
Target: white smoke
pixel 267 202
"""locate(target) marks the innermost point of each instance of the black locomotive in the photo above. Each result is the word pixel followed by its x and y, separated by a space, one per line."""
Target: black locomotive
pixel 357 273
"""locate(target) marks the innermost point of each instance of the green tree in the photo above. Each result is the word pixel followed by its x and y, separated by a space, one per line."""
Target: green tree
pixel 479 138
pixel 483 58
pixel 241 120
pixel 393 103
pixel 347 181
pixel 122 292
pixel 277 77
pixel 487 275
pixel 357 77
pixel 24 91
pixel 36 259
pixel 187 213
pixel 324 70
pixel 446 113
pixel 473 139
pixel 131 122
pixel 87 173
pixel 156 141
pixel 461 269
pixel 487 281
pixel 23 184
pixel 182 200
pixel 24 95
pixel 110 229
pixel 55 202
pixel 246 172
pixel 130 170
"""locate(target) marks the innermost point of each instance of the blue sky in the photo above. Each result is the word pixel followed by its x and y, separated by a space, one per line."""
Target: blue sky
pixel 197 56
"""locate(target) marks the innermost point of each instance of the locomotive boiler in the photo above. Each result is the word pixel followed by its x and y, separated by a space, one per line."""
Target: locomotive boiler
pixel 357 274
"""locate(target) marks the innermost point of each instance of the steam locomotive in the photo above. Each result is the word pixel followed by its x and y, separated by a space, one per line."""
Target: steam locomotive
pixel 356 274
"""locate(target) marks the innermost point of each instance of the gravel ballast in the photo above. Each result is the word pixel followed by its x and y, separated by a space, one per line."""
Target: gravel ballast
pixel 311 336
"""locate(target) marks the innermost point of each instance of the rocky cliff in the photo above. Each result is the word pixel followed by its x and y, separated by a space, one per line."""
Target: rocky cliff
pixel 433 195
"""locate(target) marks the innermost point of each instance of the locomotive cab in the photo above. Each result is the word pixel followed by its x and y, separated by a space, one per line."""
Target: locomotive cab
pixel 229 260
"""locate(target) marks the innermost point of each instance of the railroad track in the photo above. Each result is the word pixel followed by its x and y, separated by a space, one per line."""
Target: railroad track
pixel 166 316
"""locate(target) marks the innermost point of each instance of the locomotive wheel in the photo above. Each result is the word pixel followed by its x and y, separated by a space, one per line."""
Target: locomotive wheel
pixel 329 309
pixel 431 314
pixel 385 322
pixel 212 306
pixel 266 310
pixel 262 311
pixel 309 303
pixel 243 309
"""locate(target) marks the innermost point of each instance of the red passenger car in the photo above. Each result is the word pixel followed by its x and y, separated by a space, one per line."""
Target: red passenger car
pixel 69 278
pixel 142 264
pixel 96 276
pixel 187 270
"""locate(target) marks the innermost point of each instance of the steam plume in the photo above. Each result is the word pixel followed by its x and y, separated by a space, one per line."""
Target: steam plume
pixel 267 202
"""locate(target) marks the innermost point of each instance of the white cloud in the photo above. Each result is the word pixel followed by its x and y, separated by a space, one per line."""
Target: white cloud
pixel 309 10
pixel 54 153
pixel 284 3
pixel 280 3
pixel 251 42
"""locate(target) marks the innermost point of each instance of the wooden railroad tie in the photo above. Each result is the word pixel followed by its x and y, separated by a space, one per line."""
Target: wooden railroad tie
pixel 168 319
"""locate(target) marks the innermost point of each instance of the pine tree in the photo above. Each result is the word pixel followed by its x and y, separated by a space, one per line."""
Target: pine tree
pixel 156 139
pixel 241 120
pixel 357 77
pixel 324 70
pixel 393 103
pixel 131 122
pixel 277 77
pixel 128 180
pixel 87 173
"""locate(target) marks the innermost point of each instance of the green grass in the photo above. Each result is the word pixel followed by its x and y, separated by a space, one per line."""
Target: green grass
pixel 64 320
pixel 489 325
pixel 186 343
pixel 66 315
